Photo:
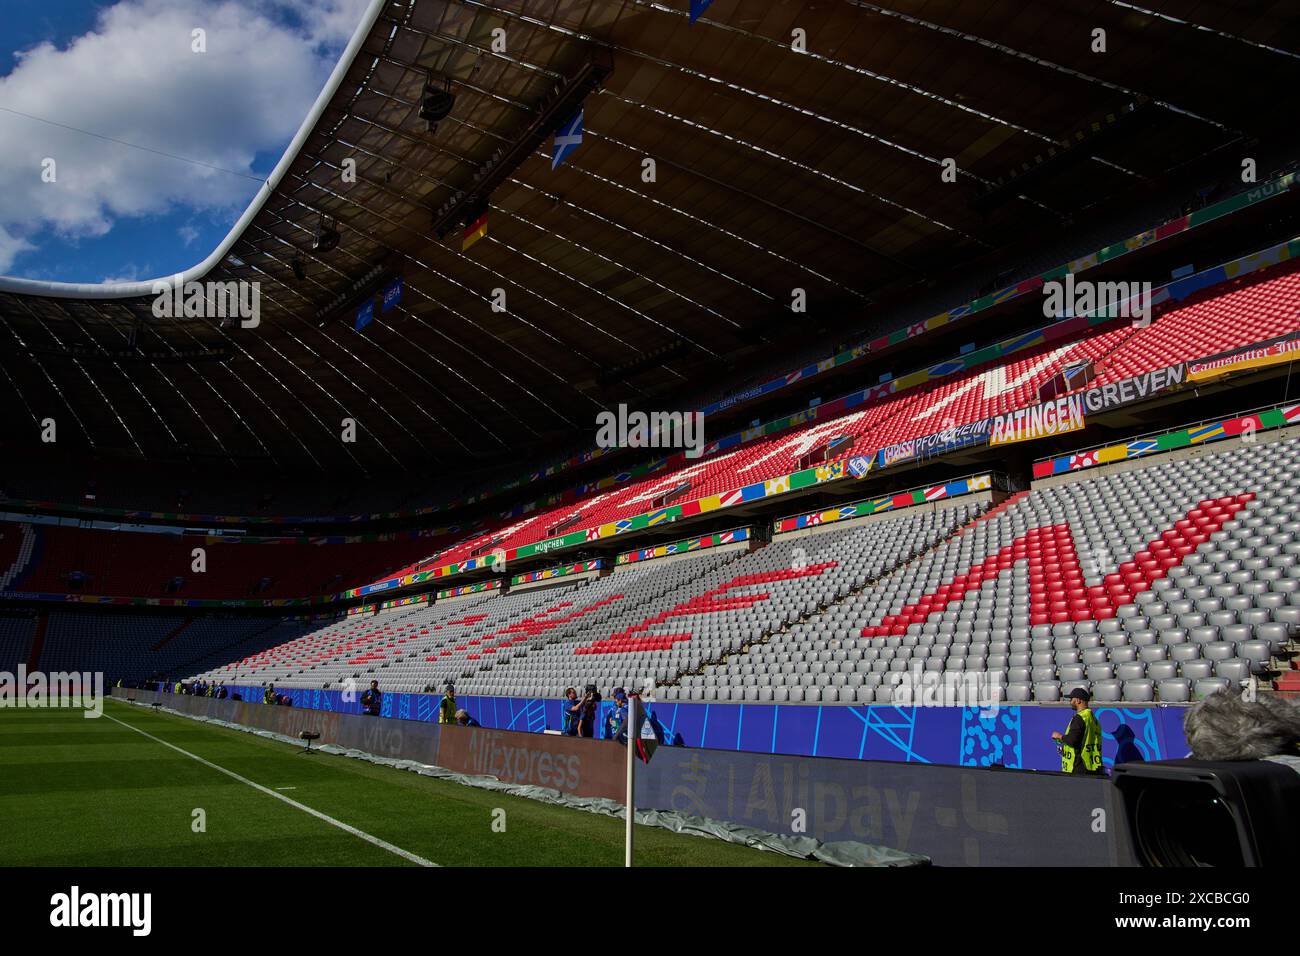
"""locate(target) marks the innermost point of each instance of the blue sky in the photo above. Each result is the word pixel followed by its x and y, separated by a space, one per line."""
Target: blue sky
pixel 127 70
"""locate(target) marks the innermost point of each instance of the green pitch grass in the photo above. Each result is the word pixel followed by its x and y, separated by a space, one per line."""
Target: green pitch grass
pixel 79 792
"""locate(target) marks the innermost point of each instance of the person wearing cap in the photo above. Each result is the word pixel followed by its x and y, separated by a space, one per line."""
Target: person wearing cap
pixel 618 716
pixel 1081 743
pixel 447 708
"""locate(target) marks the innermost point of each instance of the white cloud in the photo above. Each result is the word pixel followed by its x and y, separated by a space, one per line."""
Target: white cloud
pixel 131 273
pixel 135 78
pixel 188 234
pixel 10 247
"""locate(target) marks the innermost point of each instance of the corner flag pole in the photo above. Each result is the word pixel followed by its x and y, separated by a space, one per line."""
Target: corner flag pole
pixel 633 704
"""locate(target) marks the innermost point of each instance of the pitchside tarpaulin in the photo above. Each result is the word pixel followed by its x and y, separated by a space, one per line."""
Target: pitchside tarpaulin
pixel 958 816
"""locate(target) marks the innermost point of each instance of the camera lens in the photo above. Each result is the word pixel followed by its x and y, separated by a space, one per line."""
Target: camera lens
pixel 1184 825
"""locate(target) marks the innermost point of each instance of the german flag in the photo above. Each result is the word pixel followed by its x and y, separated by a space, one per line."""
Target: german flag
pixel 475 231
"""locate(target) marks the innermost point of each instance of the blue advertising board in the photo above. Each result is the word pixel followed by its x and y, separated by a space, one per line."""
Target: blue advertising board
pixel 1012 736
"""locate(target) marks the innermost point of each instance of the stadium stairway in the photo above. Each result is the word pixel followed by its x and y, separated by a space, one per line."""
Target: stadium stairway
pixel 992 513
pixel 173 633
pixel 38 641
pixel 1288 680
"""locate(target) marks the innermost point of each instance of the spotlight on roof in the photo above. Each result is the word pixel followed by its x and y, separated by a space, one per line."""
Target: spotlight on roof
pixel 299 270
pixel 327 235
pixel 437 102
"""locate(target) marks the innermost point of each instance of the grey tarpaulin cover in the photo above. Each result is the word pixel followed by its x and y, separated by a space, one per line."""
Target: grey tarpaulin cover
pixel 841 853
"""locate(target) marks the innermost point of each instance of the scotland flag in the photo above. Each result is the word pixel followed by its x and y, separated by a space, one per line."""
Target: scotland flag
pixel 567 138
pixel 698 7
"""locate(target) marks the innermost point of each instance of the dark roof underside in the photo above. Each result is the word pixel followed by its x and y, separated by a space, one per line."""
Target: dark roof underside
pixel 775 170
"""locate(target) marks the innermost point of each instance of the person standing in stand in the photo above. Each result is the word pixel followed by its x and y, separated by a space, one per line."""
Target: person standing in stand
pixel 371 700
pixel 447 708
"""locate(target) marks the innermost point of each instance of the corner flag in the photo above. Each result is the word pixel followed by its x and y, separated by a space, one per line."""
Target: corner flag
pixel 641 742
pixel 646 740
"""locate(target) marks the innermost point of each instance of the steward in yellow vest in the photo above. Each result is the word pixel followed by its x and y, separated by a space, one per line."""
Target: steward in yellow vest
pixel 1081 743
pixel 447 706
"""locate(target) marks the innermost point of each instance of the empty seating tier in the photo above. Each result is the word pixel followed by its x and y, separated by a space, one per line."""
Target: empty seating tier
pixel 1250 309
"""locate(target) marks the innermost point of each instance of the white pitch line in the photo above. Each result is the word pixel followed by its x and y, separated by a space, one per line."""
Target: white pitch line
pixel 382 844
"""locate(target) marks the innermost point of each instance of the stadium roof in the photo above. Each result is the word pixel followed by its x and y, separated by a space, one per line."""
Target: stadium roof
pixel 775 170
